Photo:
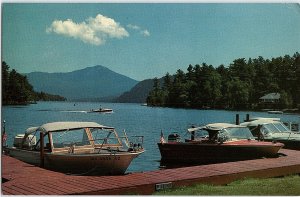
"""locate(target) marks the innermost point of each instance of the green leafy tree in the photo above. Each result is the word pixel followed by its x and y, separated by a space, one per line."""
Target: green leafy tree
pixel 296 84
pixel 286 100
pixel 178 94
pixel 238 86
pixel 167 82
pixel 157 96
pixel 238 94
pixel 5 83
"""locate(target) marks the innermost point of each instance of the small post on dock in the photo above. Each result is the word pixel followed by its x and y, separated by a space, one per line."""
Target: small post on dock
pixel 237 119
pixel 193 135
pixel 42 149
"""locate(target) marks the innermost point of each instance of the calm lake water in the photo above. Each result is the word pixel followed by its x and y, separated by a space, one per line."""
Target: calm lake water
pixel 134 118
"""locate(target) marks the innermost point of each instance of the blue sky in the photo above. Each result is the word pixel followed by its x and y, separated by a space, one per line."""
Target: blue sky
pixel 144 40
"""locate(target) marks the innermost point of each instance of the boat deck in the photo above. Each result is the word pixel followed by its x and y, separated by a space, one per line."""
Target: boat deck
pixel 19 178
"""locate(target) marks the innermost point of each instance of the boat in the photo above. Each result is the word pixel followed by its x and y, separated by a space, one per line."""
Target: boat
pixel 272 129
pixel 102 110
pixel 215 143
pixel 84 148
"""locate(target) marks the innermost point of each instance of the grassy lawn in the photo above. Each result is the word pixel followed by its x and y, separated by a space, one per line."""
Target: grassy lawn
pixel 284 186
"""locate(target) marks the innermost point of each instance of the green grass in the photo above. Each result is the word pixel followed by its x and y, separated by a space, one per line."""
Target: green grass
pixel 284 186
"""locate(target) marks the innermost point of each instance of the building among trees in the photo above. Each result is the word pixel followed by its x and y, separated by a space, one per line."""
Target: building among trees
pixel 270 98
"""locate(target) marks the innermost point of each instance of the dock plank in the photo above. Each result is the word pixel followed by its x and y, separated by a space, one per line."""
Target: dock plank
pixel 25 179
pixel 42 190
pixel 26 189
pixel 10 191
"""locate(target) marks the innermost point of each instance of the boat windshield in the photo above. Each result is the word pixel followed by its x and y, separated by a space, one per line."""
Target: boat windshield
pixel 63 139
pixel 104 136
pixel 274 128
pixel 236 133
pixel 201 134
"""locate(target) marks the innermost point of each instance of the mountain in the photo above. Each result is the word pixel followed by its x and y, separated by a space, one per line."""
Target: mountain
pixel 91 83
pixel 138 94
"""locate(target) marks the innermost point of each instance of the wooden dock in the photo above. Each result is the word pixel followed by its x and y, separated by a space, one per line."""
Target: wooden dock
pixel 19 178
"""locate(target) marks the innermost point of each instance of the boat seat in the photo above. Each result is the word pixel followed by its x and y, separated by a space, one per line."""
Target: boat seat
pixel 47 148
pixel 77 149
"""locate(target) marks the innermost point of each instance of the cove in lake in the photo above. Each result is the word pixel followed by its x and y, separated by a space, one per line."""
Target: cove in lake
pixel 134 118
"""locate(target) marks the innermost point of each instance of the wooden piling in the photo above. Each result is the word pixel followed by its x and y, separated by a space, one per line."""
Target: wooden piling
pixel 42 150
pixel 237 119
pixel 247 117
pixel 193 135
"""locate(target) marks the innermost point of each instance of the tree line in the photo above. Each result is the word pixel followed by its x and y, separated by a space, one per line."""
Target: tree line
pixel 17 90
pixel 237 86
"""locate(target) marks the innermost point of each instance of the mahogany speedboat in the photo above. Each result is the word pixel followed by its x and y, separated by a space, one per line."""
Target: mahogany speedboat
pixel 218 143
pixel 85 148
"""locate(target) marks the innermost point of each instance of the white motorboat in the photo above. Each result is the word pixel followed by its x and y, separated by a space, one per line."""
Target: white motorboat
pixel 86 148
pixel 272 129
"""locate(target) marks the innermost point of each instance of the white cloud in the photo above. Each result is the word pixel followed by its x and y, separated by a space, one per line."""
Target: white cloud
pixel 137 28
pixel 145 33
pixel 94 31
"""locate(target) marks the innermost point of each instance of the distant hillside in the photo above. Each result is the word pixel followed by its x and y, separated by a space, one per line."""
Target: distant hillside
pixel 89 84
pixel 139 93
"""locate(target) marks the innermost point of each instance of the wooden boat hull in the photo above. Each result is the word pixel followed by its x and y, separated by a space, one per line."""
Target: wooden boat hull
pixel 199 153
pixel 290 140
pixel 81 164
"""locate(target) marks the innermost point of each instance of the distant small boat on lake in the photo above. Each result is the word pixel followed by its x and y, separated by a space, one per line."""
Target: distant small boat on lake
pixel 275 112
pixel 102 110
pixel 85 148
